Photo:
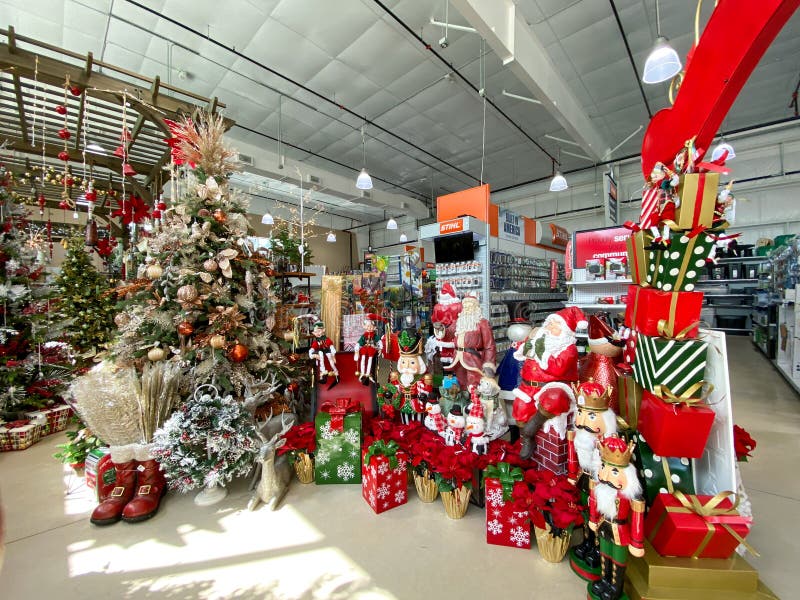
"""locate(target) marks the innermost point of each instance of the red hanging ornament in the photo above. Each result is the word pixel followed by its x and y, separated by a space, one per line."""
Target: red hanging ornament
pixel 63 155
pixel 75 90
pixel 120 151
pixel 64 134
pixel 41 201
pixel 91 195
pixel 128 170
pixel 64 205
pixel 239 353
pixel 161 206
pixel 70 181
pixel 61 109
pixel 156 214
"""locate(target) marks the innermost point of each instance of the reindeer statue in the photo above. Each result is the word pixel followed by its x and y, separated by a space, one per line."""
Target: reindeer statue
pixel 272 473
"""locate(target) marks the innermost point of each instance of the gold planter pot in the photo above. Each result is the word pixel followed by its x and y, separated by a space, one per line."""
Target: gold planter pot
pixel 552 548
pixel 456 502
pixel 427 490
pixel 304 468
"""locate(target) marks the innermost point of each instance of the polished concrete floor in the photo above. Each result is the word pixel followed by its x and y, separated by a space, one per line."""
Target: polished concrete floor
pixel 327 543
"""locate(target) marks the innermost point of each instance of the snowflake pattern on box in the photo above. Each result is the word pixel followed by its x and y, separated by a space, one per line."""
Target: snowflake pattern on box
pixel 495 497
pixel 495 527
pixel 382 487
pixel 338 453
pixel 520 537
pixel 400 496
pixel 504 525
pixel 383 468
pixel 384 490
pixel 401 467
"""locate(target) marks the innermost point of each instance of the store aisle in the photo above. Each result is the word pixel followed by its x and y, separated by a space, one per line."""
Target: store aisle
pixel 327 543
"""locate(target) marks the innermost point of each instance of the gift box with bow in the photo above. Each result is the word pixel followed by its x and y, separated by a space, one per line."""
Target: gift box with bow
pixel 677 365
pixel 678 266
pixel 638 245
pixel 384 476
pixel 504 525
pixel 698 194
pixel 661 474
pixel 696 526
pixel 337 458
pixel 667 314
pixel 19 435
pixel 630 398
pixel 675 426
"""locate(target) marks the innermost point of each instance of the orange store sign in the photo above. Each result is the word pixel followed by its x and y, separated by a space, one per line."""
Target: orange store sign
pixel 451 226
pixel 560 236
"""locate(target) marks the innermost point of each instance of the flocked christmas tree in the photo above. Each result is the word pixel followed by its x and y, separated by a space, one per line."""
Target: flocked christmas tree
pixel 85 308
pixel 33 365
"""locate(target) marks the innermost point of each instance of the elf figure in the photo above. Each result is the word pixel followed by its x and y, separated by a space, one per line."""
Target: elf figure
pixel 594 421
pixel 366 349
pixel 434 419
pixel 616 515
pixel 323 353
pixel 454 433
pixel 477 440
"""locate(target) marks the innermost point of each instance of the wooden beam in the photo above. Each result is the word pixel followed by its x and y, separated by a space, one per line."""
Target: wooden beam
pixel 212 106
pixel 79 128
pixel 23 122
pixel 151 177
pixel 12 40
pixel 89 62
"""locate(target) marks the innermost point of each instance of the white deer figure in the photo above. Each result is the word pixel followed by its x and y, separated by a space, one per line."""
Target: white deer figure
pixel 275 472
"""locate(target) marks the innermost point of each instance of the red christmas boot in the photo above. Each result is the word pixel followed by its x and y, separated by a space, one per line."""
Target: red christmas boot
pixel 150 487
pixel 109 511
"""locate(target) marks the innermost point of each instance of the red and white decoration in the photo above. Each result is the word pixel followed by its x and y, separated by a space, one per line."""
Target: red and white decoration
pixel 504 525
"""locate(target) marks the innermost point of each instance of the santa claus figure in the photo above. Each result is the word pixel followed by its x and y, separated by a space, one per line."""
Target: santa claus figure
pixel 454 432
pixel 323 352
pixel 477 440
pixel 550 362
pixel 444 343
pixel 616 515
pixel 605 350
pixel 594 421
pixel 475 354
pixel 446 311
pixel 367 349
pixel 414 385
pixel 434 419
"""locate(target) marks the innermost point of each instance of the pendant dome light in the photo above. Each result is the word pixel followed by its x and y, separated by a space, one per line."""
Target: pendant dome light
pixel 364 181
pixel 403 238
pixel 663 63
pixel 559 182
pixel 331 238
pixel 267 219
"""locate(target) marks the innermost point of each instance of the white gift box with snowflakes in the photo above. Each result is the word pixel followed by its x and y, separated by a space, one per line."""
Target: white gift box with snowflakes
pixel 504 525
pixel 337 458
pixel 384 486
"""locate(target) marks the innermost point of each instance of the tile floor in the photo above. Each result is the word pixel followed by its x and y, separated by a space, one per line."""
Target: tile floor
pixel 327 543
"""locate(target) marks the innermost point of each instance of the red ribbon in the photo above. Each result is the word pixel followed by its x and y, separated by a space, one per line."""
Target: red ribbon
pixel 632 226
pixel 17 423
pixel 338 409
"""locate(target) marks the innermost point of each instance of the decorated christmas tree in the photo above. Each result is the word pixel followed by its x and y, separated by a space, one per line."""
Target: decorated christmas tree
pixel 86 309
pixel 33 367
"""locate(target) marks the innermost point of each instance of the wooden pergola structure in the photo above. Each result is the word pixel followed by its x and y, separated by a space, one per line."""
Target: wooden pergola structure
pixel 36 78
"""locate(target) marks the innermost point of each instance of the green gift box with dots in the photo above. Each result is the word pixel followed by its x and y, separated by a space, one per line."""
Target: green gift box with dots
pixel 678 267
pixel 661 474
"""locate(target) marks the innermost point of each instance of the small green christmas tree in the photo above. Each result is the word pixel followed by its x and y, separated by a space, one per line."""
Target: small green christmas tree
pixel 85 309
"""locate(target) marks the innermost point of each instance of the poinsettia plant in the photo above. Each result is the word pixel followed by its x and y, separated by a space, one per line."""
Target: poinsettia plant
pixel 550 500
pixel 300 438
pixel 743 443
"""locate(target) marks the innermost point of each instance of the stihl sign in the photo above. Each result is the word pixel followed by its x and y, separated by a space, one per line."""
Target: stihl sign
pixel 453 226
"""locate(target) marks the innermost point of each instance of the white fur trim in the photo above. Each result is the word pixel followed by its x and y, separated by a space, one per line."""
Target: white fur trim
pixel 143 452
pixel 582 324
pixel 557 424
pixel 123 454
pixel 598 341
pixel 448 300
pixel 518 393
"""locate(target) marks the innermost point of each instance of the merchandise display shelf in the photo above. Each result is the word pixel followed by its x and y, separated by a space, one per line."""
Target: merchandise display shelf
pixel 596 281
pixel 596 306
pixel 787 375
pixel 714 281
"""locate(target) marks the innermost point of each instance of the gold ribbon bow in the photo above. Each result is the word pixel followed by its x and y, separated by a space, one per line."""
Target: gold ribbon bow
pixel 666 330
pixel 665 394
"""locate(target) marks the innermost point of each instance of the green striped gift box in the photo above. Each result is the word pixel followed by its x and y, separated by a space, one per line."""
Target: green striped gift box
pixel 663 363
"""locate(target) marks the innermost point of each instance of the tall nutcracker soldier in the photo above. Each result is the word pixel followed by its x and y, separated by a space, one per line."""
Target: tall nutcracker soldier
pixel 476 353
pixel 616 515
pixel 323 352
pixel 367 349
pixel 594 421
pixel 550 362
pixel 414 385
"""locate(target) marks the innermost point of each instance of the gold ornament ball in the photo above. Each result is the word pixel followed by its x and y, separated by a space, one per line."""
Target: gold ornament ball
pixel 156 354
pixel 187 293
pixel 185 328
pixel 239 353
pixel 217 342
pixel 210 265
pixel 154 271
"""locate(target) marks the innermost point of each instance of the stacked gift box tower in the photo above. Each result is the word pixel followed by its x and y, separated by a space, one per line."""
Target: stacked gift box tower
pixel 662 387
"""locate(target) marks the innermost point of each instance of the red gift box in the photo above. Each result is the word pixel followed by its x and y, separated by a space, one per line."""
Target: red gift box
pixel 382 486
pixel 504 525
pixel 667 314
pixel 695 526
pixel 674 428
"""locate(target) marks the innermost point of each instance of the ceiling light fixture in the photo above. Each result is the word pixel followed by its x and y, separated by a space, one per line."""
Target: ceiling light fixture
pixel 523 98
pixel 95 148
pixel 364 181
pixel 663 63
pixel 331 237
pixel 403 238
pixel 267 219
pixel 391 224
pixel 720 149
pixel 559 182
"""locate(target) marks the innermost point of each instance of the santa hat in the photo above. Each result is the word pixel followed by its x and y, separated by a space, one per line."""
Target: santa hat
pixel 571 317
pixel 476 410
pixel 600 333
pixel 372 317
pixel 555 400
pixel 447 295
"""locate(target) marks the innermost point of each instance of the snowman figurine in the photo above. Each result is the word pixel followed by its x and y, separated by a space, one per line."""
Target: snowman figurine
pixel 477 439
pixel 454 433
pixel 434 419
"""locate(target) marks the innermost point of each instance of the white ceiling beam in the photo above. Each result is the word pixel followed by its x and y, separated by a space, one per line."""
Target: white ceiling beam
pixel 521 50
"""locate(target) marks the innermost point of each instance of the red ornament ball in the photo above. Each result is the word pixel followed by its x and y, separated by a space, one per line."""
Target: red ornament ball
pixel 185 328
pixel 70 182
pixel 161 206
pixel 61 109
pixel 63 205
pixel 63 155
pixel 75 90
pixel 64 134
pixel 239 353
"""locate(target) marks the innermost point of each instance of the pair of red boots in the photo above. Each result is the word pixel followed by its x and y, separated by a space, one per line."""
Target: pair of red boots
pixel 137 492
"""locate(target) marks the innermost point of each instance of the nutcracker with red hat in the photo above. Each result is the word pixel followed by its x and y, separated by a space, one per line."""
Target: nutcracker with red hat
pixel 477 440
pixel 594 421
pixel 616 515
pixel 323 352
pixel 367 349
pixel 550 364
pixel 605 351
pixel 414 385
pixel 476 354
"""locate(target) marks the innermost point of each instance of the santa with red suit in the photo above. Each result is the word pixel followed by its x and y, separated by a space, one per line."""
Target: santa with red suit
pixel 476 354
pixel 550 361
pixel 367 349
pixel 446 311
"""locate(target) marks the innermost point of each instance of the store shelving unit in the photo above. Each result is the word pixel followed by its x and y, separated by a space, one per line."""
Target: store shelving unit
pixel 584 293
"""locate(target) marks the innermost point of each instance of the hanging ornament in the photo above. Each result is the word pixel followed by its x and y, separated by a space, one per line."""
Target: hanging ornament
pixel 41 200
pixel 61 109
pixel 161 206
pixel 185 328
pixel 120 151
pixel 187 293
pixel 128 170
pixel 64 134
pixel 156 354
pixel 220 216
pixel 91 193
pixel 238 353
pixel 156 214
pixel 90 234
pixel 75 90
pixel 63 155
pixel 154 271
pixel 125 136
pixel 210 265
pixel 217 341
pixel 69 182
pixel 64 205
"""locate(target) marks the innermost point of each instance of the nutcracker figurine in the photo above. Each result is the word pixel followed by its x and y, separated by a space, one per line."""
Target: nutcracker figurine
pixel 323 353
pixel 594 421
pixel 367 349
pixel 616 515
pixel 414 385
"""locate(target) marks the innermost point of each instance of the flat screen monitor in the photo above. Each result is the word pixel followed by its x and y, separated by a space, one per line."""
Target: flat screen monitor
pixel 454 248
